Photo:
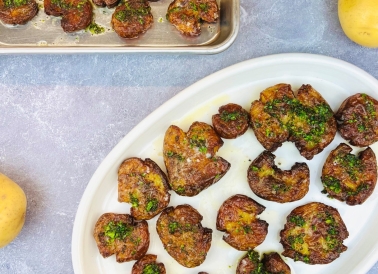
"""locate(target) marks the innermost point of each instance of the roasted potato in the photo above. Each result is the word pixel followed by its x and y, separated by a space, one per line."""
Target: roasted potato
pixel 305 119
pixel 106 3
pixel 347 177
pixel 186 15
pixel 270 264
pixel 237 216
pixel 250 263
pixel 132 18
pixel 183 236
pixel 273 184
pixel 190 158
pixel 144 185
pixel 274 264
pixel 358 120
pixel 76 14
pixel 314 234
pixel 148 265
pixel 119 234
pixel 231 122
pixel 17 12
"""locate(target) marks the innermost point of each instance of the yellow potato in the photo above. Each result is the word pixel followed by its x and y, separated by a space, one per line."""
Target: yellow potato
pixel 12 210
pixel 359 20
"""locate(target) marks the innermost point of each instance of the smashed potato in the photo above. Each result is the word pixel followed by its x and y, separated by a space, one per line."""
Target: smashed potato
pixel 143 185
pixel 348 177
pixel 305 119
pixel 273 184
pixel 237 216
pixel 314 234
pixel 190 158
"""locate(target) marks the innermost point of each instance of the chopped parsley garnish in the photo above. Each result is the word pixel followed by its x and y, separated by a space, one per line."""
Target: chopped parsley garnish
pixel 152 205
pixel 94 28
pixel 173 226
pixel 151 269
pixel 297 220
pixel 332 183
pixel 134 200
pixel 117 230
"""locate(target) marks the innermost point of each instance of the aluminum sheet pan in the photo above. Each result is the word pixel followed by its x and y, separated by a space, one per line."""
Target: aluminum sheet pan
pixel 44 34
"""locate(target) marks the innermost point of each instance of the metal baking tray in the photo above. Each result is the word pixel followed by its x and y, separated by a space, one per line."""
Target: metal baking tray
pixel 44 34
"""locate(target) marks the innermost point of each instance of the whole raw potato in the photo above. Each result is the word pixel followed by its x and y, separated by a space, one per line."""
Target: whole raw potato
pixel 12 210
pixel 359 20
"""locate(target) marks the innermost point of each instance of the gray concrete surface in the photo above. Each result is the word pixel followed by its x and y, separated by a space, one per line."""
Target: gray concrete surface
pixel 60 115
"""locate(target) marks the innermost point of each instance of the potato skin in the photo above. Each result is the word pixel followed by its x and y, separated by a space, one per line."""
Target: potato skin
pixel 148 260
pixel 314 233
pixel 133 246
pixel 274 264
pixel 186 15
pixel 145 186
pixel 132 18
pixel 237 216
pixel 18 14
pixel 76 14
pixel 358 120
pixel 106 3
pixel 269 182
pixel 249 263
pixel 271 263
pixel 190 158
pixel 347 177
pixel 183 236
pixel 231 122
pixel 305 119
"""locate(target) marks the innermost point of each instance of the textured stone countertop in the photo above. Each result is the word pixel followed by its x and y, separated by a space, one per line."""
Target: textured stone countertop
pixel 60 115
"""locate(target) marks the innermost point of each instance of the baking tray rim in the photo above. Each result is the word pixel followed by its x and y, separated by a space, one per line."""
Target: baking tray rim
pixel 211 48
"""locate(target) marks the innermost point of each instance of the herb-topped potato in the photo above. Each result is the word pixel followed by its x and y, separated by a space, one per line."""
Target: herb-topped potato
pixel 190 158
pixel 132 18
pixel 237 216
pixel 358 120
pixel 183 236
pixel 348 177
pixel 305 119
pixel 106 3
pixel 76 14
pixel 271 263
pixel 17 12
pixel 186 15
pixel 148 265
pixel 119 234
pixel 231 122
pixel 314 234
pixel 144 185
pixel 273 184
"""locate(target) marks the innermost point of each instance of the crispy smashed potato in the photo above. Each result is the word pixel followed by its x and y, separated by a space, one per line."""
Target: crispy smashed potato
pixel 183 236
pixel 17 12
pixel 231 122
pixel 314 234
pixel 238 218
pixel 274 264
pixel 190 158
pixel 305 119
pixel 271 263
pixel 348 177
pixel 273 184
pixel 106 3
pixel 186 15
pixel 76 14
pixel 143 185
pixel 119 234
pixel 132 18
pixel 148 265
pixel 358 120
